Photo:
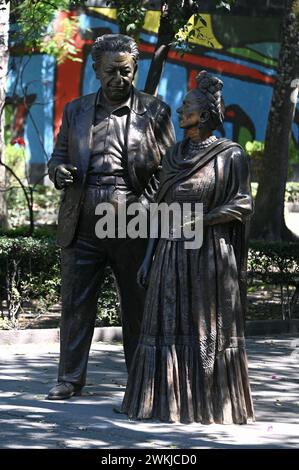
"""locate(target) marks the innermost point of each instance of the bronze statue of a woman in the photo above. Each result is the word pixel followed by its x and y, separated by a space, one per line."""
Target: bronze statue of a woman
pixel 190 364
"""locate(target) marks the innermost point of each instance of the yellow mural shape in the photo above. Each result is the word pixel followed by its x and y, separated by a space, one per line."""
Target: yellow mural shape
pixel 206 37
pixel 152 21
pixel 109 12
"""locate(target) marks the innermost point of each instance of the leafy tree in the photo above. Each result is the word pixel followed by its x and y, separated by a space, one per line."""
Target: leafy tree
pixel 175 16
pixel 130 16
pixel 268 222
pixel 33 18
pixel 174 19
pixel 36 31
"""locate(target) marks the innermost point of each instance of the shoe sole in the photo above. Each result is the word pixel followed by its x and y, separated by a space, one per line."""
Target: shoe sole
pixel 77 393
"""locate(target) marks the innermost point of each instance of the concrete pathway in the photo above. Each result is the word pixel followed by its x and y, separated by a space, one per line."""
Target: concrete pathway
pixel 28 420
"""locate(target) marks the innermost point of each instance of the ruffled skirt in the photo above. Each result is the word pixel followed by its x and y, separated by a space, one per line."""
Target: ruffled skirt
pixel 179 373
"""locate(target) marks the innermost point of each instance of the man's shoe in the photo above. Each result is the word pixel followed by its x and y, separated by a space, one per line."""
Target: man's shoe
pixel 63 391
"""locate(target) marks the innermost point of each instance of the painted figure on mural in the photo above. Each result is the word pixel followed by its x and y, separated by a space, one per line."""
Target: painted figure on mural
pixel 109 147
pixel 190 364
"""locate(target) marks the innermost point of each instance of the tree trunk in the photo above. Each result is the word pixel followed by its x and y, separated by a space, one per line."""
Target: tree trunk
pixel 268 222
pixel 166 35
pixel 4 27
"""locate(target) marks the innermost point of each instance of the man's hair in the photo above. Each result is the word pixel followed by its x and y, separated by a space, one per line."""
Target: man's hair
pixel 114 43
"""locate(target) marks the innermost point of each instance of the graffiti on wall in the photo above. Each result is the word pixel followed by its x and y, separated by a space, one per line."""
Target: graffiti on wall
pixel 242 51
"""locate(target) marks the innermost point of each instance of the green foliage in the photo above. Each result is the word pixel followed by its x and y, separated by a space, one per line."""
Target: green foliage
pixel 46 197
pixel 60 44
pixel 293 157
pixel 130 15
pixel 186 29
pixel 18 214
pixel 34 18
pixel 30 275
pixel 36 31
pixel 254 146
pixel 255 150
pixel 39 233
pixel 254 187
pixel 226 4
pixel 108 306
pixel 45 203
pixel 14 154
pixel 28 271
pixel 275 264
pixel 292 192
pixel 8 115
pixel 6 324
pixel 15 158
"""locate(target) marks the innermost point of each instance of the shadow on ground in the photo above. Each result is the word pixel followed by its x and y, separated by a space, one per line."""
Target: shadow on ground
pixel 28 420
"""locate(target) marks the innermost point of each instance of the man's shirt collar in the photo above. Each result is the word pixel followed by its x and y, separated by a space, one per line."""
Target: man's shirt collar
pixel 101 102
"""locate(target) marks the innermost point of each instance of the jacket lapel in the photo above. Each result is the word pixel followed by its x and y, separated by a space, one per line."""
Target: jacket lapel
pixel 136 126
pixel 135 122
pixel 83 127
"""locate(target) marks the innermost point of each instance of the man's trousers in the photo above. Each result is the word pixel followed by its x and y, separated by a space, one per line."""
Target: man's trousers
pixel 83 265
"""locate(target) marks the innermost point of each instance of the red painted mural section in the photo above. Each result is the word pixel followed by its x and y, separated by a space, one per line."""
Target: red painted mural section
pixel 192 79
pixel 68 76
pixel 70 72
pixel 221 66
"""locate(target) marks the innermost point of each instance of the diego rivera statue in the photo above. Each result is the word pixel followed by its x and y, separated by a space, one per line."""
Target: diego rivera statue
pixel 109 148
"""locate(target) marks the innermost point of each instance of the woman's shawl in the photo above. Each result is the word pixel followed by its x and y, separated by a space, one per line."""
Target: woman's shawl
pixel 226 223
pixel 175 168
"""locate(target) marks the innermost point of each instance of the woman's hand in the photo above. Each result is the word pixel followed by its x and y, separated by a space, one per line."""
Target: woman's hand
pixel 143 273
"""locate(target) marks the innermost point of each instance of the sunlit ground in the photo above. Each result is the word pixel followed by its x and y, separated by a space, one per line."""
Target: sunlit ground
pixel 292 221
pixel 30 421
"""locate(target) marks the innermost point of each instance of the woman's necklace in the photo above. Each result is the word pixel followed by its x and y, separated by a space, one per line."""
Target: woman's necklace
pixel 194 147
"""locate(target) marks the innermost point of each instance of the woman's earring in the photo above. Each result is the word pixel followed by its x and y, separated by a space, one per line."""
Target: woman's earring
pixel 204 119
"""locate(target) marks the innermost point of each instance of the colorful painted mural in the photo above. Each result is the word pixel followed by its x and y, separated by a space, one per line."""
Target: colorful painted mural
pixel 243 51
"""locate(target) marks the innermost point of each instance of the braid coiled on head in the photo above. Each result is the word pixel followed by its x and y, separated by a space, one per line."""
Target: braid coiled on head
pixel 211 87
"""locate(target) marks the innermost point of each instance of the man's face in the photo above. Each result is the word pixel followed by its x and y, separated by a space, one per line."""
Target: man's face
pixel 116 72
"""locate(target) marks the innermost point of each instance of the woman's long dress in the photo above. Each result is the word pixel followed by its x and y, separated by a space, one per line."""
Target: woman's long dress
pixel 190 364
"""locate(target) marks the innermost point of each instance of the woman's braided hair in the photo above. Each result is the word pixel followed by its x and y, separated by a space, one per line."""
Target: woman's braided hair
pixel 210 97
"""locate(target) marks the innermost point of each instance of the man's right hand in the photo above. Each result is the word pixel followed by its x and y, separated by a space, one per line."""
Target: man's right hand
pixel 64 175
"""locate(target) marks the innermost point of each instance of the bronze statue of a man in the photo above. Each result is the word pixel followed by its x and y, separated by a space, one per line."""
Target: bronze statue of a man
pixel 109 148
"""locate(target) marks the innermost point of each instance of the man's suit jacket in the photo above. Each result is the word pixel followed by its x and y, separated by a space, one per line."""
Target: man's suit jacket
pixel 150 133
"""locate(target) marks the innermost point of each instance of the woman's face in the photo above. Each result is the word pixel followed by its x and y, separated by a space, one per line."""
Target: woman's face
pixel 189 113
